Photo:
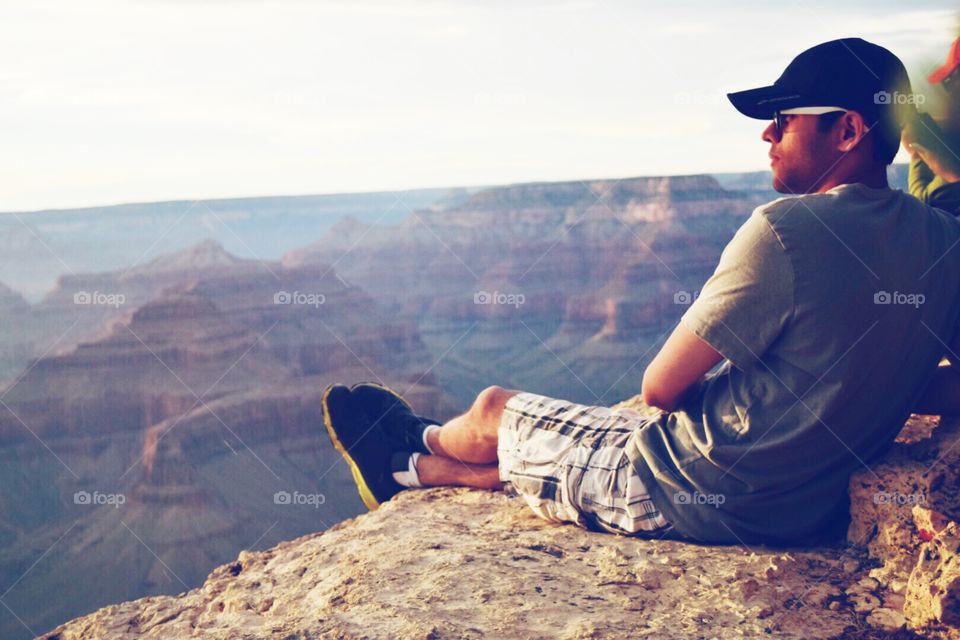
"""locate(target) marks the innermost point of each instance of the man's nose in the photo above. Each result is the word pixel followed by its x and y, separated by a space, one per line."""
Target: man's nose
pixel 770 134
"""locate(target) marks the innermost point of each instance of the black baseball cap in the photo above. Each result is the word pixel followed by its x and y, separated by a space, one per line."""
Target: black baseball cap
pixel 850 73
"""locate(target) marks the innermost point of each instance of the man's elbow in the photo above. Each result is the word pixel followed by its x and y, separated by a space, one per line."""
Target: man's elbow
pixel 654 397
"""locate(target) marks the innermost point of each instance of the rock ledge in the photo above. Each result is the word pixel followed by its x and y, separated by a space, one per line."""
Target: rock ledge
pixel 457 563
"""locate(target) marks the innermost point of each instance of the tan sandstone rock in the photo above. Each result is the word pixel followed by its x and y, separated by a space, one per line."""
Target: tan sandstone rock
pixel 457 563
pixel 904 512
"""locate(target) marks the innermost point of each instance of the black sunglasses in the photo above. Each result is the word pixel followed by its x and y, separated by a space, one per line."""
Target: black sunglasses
pixel 780 119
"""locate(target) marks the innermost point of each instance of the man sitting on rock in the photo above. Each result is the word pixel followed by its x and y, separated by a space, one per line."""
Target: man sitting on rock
pixel 828 313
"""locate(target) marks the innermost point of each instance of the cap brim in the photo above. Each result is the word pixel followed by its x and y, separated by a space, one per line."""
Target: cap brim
pixel 938 76
pixel 763 102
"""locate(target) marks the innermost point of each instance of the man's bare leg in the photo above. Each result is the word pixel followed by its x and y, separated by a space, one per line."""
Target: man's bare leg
pixel 438 471
pixel 465 448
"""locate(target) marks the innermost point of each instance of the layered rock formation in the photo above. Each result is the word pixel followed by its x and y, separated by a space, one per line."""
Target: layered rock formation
pixel 157 363
pixel 201 324
pixel 253 293
pixel 81 307
pixel 36 248
pixel 531 281
pixel 453 563
pixel 155 450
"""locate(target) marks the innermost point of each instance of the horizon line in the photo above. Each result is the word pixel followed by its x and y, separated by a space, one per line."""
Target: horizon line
pixel 88 207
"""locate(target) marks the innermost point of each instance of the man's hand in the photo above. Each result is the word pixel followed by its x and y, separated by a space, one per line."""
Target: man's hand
pixel 682 362
pixel 935 153
pixel 908 138
pixel 944 166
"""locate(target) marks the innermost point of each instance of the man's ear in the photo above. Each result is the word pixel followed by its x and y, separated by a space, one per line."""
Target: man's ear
pixel 851 130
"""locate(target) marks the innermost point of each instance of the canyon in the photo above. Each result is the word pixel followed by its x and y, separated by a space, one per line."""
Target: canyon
pixel 162 415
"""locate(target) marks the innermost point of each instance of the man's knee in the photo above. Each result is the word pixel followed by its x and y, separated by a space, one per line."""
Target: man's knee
pixel 488 406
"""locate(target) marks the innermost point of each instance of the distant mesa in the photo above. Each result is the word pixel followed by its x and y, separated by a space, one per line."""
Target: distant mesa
pixel 204 255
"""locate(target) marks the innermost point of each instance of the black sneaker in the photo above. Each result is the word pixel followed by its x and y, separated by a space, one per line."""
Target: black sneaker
pixel 400 461
pixel 362 444
pixel 388 409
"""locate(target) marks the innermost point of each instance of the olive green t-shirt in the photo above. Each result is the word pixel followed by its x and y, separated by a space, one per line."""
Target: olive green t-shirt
pixel 832 312
pixel 932 189
pixel 927 186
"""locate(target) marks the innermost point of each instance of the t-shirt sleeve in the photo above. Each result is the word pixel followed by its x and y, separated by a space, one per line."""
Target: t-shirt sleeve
pixel 748 300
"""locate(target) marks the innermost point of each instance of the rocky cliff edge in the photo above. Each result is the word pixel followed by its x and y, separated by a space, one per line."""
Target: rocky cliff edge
pixel 457 563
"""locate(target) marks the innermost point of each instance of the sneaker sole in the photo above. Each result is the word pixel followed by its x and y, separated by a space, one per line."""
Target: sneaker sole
pixel 365 493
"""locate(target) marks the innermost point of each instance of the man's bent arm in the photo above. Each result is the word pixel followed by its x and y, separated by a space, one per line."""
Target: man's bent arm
pixel 682 362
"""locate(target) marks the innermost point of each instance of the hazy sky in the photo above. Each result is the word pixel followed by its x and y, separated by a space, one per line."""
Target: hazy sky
pixel 137 100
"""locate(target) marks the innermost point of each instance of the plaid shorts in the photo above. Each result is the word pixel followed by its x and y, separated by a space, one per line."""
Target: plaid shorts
pixel 569 463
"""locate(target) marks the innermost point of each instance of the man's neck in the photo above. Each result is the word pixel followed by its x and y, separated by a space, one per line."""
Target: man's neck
pixel 875 179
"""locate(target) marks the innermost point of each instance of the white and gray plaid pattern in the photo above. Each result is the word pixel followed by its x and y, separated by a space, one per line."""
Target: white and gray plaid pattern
pixel 568 461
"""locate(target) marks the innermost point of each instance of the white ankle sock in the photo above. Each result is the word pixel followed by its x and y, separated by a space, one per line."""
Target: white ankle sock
pixel 409 478
pixel 425 432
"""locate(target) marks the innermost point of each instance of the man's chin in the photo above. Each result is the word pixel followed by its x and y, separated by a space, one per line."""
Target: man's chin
pixel 790 189
pixel 781 187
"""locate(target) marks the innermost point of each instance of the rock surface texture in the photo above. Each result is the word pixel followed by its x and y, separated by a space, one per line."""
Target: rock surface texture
pixel 905 512
pixel 454 563
pixel 457 563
